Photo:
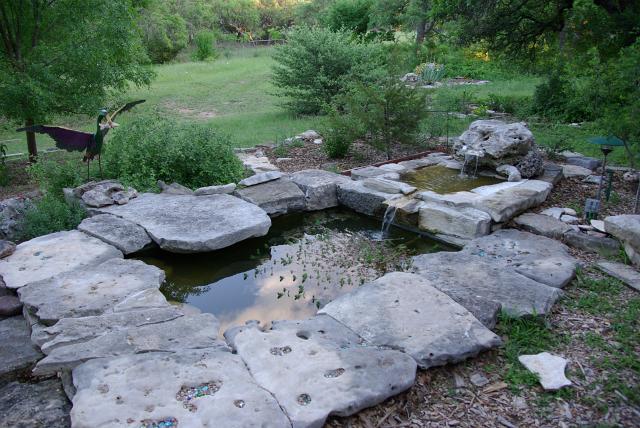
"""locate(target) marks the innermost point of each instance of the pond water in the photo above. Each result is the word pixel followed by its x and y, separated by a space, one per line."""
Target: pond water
pixel 442 180
pixel 304 262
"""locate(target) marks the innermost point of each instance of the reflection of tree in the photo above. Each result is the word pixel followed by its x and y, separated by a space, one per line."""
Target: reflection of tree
pixel 179 292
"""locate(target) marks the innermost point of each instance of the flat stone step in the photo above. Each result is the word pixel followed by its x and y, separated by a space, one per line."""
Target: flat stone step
pixel 190 224
pixel 17 354
pixel 276 197
pixel 126 236
pixel 197 388
pixel 50 255
pixel 406 312
pixel 313 376
pixel 624 273
pixel 41 404
pixel 542 225
pixel 505 200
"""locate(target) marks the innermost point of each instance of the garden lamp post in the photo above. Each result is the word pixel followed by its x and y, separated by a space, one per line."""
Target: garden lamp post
pixel 607 144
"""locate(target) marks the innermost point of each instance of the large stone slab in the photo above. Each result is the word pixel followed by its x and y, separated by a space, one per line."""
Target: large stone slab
pixel 187 332
pixel 190 224
pixel 276 197
pixel 138 390
pixel 388 186
pixel 541 259
pixel 90 291
pixel 542 225
pixel 367 172
pixel 508 201
pixel 607 247
pixel 17 353
pixel 465 223
pixel 49 255
pixel 624 227
pixel 624 273
pixel 260 178
pixel 355 195
pixel 406 312
pixel 312 376
pixel 457 199
pixel 474 281
pixel 572 171
pixel 41 404
pixel 319 187
pixel 126 236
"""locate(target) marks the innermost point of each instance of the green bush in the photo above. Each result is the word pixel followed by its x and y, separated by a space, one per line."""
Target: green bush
pixel 153 148
pixel 317 64
pixel 517 105
pixel 52 176
pixel 556 99
pixel 163 34
pixel 204 41
pixel 339 133
pixel 352 15
pixel 48 215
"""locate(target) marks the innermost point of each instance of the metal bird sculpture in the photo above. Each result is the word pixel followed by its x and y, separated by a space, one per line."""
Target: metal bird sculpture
pixel 77 141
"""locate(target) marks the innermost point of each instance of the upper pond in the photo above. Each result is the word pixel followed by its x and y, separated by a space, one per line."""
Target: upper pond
pixel 304 262
pixel 443 180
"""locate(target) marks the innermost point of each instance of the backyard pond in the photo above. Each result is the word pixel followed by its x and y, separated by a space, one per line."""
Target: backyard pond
pixel 443 180
pixel 304 262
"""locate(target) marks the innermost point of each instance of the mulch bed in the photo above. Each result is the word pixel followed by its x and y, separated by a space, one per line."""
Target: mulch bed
pixel 19 181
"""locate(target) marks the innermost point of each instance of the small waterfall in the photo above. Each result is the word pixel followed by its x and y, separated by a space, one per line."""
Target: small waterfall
pixel 469 156
pixel 387 220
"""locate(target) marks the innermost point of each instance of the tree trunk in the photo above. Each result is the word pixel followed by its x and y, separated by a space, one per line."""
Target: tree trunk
pixel 31 142
pixel 421 31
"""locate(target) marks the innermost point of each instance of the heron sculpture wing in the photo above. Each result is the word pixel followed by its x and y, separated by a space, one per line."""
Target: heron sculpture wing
pixel 65 138
pixel 112 116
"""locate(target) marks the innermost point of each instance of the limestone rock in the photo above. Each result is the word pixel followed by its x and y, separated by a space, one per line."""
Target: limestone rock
pixel 11 214
pixel 465 223
pixel 187 332
pixel 457 199
pixel 260 178
pixel 276 197
pixel 93 290
pixel 598 225
pixel 388 186
pixel 551 173
pixel 531 165
pixel 555 212
pixel 17 353
pixel 569 219
pixel 624 227
pixel 624 273
pixel 190 224
pixel 49 255
pixel 584 161
pixel 509 171
pixel 367 172
pixel 138 390
pixel 41 404
pixel 126 236
pixel 309 135
pixel 550 369
pixel 174 188
pixel 319 187
pixel 542 225
pixel 6 248
pixel 571 171
pixel 9 306
pixel 404 311
pixel 393 167
pixel 256 164
pixel 358 197
pixel 103 193
pixel 606 247
pixel 313 377
pixel 507 201
pixel 216 190
pixel 323 326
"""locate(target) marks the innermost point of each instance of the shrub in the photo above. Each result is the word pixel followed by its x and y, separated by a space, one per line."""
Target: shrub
pixel 204 45
pixel 53 176
pixel 317 64
pixel 339 133
pixel 49 214
pixel 153 148
pixel 512 104
pixel 4 171
pixel 556 99
pixel 163 34
pixel 352 15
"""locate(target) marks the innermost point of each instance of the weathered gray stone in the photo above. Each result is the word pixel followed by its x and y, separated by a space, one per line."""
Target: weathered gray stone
pixel 137 390
pixel 189 224
pixel 572 171
pixel 319 187
pixel 569 219
pixel 9 306
pixel 541 259
pixel 404 311
pixel 555 212
pixel 90 291
pixel 11 214
pixel 552 173
pixel 509 171
pixel 465 223
pixel 309 135
pixel 542 225
pixel 412 165
pixel 323 326
pixel 531 165
pixel 126 236
pixel 104 193
pixel 584 161
pixel 624 227
pixel 508 201
pixel 549 368
pixel 393 167
pixel 624 273
pixel 276 197
pixel 257 164
pixel 6 248
pixel 358 197
pixel 174 188
pixel 313 377
pixel 187 332
pixel 598 225
pixel 451 164
pixel 49 255
pixel 17 353
pixel 606 247
pixel 216 190
pixel 388 186
pixel 367 172
pixel 41 404
pixel 260 178
pixel 475 281
pixel 457 199
pixel 593 179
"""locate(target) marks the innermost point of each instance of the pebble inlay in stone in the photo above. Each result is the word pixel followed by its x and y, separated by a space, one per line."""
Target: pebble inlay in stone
pixel 334 373
pixel 280 351
pixel 304 399
pixel 239 403
pixel 163 423
pixel 189 393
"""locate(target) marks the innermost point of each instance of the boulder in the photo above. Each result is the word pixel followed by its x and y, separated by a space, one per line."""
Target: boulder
pixel 191 224
pixel 569 219
pixel 260 178
pixel 49 255
pixel 276 197
pixel 256 164
pixel 531 165
pixel 549 368
pixel 191 388
pixel 584 161
pixel 41 404
pixel 410 78
pixel 504 202
pixel 624 273
pixel 356 196
pixel 388 186
pixel 17 354
pixel 552 173
pixel 542 225
pixel 174 188
pixel 594 179
pixel 126 236
pixel 319 188
pixel 309 135
pixel 555 212
pixel 216 190
pixel 406 312
pixel 465 223
pixel 92 290
pixel 457 199
pixel 11 213
pixel 509 171
pixel 572 171
pixel 626 228
pixel 606 247
pixel 9 306
pixel 312 376
pixel 367 172
pixel 6 248
pixel 103 193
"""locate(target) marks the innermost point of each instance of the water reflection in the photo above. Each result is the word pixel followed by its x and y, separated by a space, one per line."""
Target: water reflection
pixel 442 180
pixel 306 261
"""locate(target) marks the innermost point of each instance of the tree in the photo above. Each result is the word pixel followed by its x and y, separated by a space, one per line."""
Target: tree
pixel 237 16
pixel 416 15
pixel 65 56
pixel 352 15
pixel 164 33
